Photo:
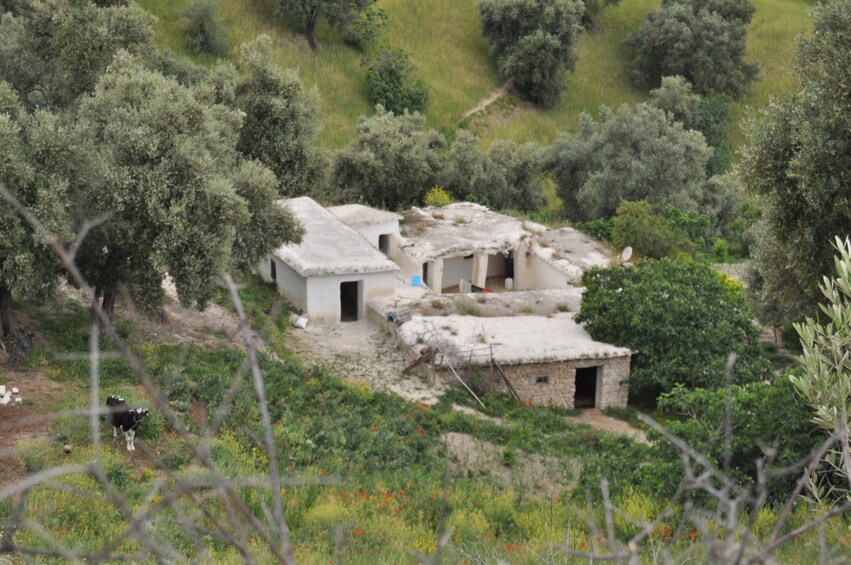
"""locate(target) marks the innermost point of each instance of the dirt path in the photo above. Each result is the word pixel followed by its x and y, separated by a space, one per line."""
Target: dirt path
pixel 596 419
pixel 362 352
pixel 489 99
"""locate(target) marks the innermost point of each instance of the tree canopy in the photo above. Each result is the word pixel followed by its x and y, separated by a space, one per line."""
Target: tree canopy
pixel 390 164
pixel 701 40
pixel 343 15
pixel 390 82
pixel 798 164
pixel 682 318
pixel 631 154
pixel 534 43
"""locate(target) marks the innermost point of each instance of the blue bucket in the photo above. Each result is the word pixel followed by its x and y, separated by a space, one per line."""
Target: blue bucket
pixel 416 280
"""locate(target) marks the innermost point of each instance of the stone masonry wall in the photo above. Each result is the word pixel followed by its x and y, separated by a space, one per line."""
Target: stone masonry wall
pixel 554 384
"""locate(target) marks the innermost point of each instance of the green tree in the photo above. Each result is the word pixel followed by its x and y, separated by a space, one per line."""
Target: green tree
pixel 389 82
pixel 280 122
pixel 701 40
pixel 31 147
pixel 341 14
pixel 203 30
pixel 533 42
pixel 391 162
pixel 826 382
pixel 52 51
pixel 798 164
pixel 639 226
pixel 162 162
pixel 507 176
pixel 682 319
pixel 593 9
pixel 632 154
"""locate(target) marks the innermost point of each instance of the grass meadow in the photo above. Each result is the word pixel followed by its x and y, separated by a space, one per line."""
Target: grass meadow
pixel 444 41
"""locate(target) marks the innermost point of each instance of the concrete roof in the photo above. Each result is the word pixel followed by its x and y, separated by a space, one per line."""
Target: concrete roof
pixel 329 247
pixel 516 339
pixel 359 215
pixel 572 252
pixel 462 228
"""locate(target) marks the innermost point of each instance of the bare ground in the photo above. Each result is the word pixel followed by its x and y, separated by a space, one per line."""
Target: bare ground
pixel 545 476
pixel 596 419
pixel 492 97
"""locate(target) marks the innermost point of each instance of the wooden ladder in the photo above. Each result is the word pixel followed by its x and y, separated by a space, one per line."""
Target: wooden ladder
pixel 508 385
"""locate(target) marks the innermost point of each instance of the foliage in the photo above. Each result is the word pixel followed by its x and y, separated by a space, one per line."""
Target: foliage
pixel 351 17
pixel 390 82
pixel 280 121
pixel 391 162
pixel 438 196
pixel 701 40
pixel 826 384
pixel 534 42
pixel 708 115
pixel 681 318
pixel 763 415
pixel 508 176
pixel 637 225
pixel 631 154
pixel 204 32
pixel 798 163
pixel 593 9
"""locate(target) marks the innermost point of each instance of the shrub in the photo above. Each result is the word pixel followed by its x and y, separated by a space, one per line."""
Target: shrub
pixel 438 196
pixel 389 82
pixel 203 30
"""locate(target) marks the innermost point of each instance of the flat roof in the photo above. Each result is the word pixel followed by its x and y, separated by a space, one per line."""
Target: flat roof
pixel 328 247
pixel 359 215
pixel 515 339
pixel 572 252
pixel 462 228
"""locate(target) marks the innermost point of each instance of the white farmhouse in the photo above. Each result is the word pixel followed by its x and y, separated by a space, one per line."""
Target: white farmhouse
pixel 334 272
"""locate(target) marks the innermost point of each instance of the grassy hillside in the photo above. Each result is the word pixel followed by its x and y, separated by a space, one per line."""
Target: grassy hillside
pixel 444 41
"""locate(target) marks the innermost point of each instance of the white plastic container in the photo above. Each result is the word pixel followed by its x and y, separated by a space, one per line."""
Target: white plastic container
pixel 509 283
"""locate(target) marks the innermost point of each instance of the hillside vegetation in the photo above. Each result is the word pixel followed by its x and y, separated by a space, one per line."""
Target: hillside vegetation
pixel 444 41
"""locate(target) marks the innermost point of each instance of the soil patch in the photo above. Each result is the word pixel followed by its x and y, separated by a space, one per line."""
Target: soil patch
pixel 544 476
pixel 596 419
pixel 32 419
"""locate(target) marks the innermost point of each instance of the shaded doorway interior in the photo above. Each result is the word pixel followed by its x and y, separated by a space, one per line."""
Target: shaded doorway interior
pixel 349 301
pixel 273 271
pixel 586 387
pixel 384 243
pixel 425 274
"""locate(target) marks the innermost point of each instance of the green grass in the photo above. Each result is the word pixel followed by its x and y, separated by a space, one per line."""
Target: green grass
pixel 444 41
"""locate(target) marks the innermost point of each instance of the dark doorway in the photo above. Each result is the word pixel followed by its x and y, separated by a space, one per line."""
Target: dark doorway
pixel 349 301
pixel 384 243
pixel 273 271
pixel 425 274
pixel 586 387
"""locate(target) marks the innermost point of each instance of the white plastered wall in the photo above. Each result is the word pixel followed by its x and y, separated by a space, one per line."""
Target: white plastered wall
pixel 373 231
pixel 290 284
pixel 540 275
pixel 323 294
pixel 455 269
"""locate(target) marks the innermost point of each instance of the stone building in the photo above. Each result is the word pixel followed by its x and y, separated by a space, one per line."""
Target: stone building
pixel 547 360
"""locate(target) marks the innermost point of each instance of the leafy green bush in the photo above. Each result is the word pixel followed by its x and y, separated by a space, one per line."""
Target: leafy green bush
pixel 764 415
pixel 682 318
pixel 390 82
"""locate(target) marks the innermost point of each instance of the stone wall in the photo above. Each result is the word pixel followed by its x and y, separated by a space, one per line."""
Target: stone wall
pixel 554 384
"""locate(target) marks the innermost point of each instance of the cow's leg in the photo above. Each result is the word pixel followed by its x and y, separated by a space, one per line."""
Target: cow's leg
pixel 127 440
pixel 114 431
pixel 132 435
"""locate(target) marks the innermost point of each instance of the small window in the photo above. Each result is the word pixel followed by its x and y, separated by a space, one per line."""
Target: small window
pixel 545 380
pixel 468 257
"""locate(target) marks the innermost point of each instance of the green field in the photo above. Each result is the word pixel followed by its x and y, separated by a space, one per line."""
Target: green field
pixel 444 41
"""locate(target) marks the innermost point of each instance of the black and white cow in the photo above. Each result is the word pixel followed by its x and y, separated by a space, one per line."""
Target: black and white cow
pixel 124 419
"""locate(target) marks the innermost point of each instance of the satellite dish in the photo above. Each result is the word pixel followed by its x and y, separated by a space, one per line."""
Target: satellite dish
pixel 626 255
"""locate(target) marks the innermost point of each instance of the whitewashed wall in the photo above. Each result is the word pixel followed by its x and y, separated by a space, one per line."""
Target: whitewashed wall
pixel 323 294
pixel 540 275
pixel 455 269
pixel 290 284
pixel 371 233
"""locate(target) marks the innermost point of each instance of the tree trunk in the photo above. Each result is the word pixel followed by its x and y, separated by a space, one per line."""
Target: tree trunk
pixel 107 306
pixel 5 311
pixel 310 30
